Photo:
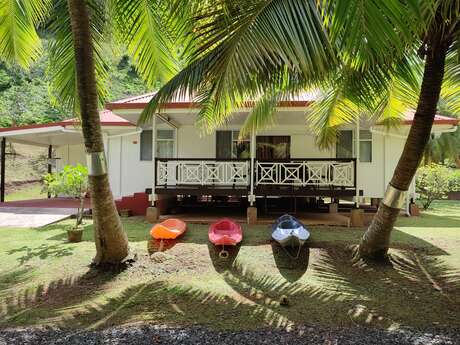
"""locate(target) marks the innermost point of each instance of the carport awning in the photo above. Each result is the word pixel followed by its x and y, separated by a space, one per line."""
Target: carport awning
pixel 66 132
pixel 44 136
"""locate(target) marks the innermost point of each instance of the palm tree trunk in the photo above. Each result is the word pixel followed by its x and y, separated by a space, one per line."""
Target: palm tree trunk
pixel 375 241
pixel 111 240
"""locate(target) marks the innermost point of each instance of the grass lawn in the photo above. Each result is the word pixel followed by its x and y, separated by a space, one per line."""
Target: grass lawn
pixel 26 192
pixel 44 280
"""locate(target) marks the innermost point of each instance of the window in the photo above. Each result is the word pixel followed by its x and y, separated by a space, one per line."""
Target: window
pixel 228 146
pixel 345 147
pixel 365 146
pixel 273 147
pixel 164 144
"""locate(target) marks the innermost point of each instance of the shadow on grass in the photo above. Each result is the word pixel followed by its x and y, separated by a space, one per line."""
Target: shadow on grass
pixel 42 252
pixel 138 229
pixel 154 245
pixel 24 307
pixel 292 268
pixel 222 264
pixel 10 279
pixel 417 290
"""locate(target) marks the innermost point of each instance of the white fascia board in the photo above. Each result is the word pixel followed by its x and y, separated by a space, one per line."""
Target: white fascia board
pixel 25 131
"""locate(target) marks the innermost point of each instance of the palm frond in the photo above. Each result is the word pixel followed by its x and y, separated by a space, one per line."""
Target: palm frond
pixel 19 41
pixel 242 42
pixel 62 66
pixel 148 29
pixel 370 32
pixel 329 112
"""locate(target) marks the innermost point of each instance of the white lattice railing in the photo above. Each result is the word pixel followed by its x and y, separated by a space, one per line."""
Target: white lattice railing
pixel 306 173
pixel 202 172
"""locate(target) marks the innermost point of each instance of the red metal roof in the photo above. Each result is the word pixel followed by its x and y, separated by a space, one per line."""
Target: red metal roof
pixel 184 101
pixel 438 119
pixel 303 100
pixel 107 119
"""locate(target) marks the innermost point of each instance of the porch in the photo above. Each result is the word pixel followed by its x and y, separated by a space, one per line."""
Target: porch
pixel 331 177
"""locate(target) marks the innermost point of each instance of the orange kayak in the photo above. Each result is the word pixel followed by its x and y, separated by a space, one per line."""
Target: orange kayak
pixel 168 229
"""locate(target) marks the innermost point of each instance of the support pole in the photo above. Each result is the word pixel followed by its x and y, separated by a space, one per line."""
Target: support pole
pixel 357 153
pixel 253 155
pixel 2 170
pixel 154 151
pixel 50 168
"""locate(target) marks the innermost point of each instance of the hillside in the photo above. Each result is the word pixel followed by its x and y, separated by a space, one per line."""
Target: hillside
pixel 25 98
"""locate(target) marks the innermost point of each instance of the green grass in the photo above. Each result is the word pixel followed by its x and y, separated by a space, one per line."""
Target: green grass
pixel 45 280
pixel 32 191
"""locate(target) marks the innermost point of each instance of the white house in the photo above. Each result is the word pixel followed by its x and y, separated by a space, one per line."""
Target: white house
pixel 280 161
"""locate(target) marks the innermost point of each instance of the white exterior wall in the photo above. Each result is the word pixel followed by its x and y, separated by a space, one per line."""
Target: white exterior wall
pixel 128 174
pixel 193 144
pixel 70 155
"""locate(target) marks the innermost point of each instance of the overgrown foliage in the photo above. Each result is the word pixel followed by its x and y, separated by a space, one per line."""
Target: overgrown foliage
pixel 454 180
pixel 71 181
pixel 26 97
pixel 432 183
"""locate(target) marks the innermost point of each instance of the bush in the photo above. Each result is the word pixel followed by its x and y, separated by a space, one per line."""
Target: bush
pixel 71 181
pixel 454 181
pixel 432 183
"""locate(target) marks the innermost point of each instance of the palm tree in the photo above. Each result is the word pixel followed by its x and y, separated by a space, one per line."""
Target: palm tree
pixel 267 50
pixel 79 29
pixel 442 35
pixel 111 240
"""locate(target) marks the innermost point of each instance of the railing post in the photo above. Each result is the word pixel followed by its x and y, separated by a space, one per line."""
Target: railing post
pixel 252 167
pixel 154 162
pixel 357 162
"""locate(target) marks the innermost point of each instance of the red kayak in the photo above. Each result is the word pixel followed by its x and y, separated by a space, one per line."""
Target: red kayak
pixel 225 232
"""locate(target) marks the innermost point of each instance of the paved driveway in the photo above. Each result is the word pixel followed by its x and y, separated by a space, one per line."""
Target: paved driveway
pixel 31 217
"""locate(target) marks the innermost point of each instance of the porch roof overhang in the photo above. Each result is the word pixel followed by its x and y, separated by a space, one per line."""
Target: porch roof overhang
pixel 66 132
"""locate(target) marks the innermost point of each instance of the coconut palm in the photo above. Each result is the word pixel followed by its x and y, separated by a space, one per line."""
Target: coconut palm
pixel 356 50
pixel 79 28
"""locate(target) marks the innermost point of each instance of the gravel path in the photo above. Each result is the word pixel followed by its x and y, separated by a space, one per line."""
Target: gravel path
pixel 148 334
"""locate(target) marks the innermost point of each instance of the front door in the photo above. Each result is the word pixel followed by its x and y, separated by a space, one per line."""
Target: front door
pixel 270 147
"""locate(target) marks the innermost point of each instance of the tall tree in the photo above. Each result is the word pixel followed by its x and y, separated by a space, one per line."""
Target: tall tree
pixel 270 50
pixel 79 72
pixel 442 35
pixel 111 240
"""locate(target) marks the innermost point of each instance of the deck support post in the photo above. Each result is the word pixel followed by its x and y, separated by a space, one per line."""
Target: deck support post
pixel 333 207
pixel 153 212
pixel 2 170
pixel 252 215
pixel 357 217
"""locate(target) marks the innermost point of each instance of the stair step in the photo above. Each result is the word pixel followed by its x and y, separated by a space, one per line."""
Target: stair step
pixel 137 203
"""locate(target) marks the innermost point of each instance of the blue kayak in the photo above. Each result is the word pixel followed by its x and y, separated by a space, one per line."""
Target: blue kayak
pixel 288 231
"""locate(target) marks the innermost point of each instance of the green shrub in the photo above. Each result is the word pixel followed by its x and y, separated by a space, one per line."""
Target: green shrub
pixel 454 180
pixel 432 183
pixel 71 181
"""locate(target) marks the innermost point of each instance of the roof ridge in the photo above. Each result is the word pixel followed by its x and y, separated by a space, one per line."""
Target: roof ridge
pixel 134 98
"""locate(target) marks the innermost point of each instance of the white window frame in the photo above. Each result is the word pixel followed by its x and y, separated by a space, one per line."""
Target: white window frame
pixel 234 141
pixel 173 140
pixel 361 139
